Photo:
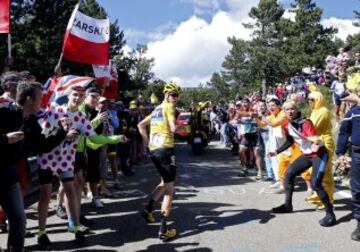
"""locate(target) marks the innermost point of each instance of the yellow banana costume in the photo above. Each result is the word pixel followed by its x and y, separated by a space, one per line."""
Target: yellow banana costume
pixel 321 118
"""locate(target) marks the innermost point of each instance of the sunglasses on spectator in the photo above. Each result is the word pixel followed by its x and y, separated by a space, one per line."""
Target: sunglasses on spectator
pixel 174 95
pixel 311 100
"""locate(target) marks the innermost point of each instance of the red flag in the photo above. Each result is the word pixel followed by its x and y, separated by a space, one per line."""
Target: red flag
pixel 87 39
pixel 107 79
pixel 4 16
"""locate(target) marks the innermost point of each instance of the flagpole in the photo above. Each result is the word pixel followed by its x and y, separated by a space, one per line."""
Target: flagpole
pixel 9 45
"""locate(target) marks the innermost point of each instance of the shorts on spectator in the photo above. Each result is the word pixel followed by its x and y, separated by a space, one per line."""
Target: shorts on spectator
pixel 47 176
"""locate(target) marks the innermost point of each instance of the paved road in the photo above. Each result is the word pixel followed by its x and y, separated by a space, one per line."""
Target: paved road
pixel 214 210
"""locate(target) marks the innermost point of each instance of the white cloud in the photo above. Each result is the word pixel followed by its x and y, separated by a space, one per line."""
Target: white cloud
pixel 345 26
pixel 191 51
pixel 197 48
pixel 289 15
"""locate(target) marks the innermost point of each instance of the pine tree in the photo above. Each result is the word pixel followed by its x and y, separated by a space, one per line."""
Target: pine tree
pixel 307 41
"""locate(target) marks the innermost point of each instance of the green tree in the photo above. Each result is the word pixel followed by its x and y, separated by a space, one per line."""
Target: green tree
pixel 220 88
pixel 307 42
pixel 38 28
pixel 267 40
pixel 135 71
pixel 237 70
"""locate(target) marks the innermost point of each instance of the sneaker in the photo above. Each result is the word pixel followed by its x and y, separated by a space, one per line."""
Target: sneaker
pixel 275 185
pixel 89 195
pixel 82 229
pixel 96 202
pixel 267 178
pixel 149 217
pixel 259 176
pixel 28 234
pixel 281 190
pixel 44 242
pixel 85 221
pixel 328 221
pixel 356 234
pixel 242 174
pixel 282 209
pixel 61 212
pixel 80 238
pixel 312 198
pixel 168 234
pixel 320 206
pixel 309 192
pixel 106 193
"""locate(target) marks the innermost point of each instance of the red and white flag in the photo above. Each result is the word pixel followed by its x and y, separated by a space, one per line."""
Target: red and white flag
pixel 107 79
pixel 4 16
pixel 87 39
pixel 56 89
pixel 106 71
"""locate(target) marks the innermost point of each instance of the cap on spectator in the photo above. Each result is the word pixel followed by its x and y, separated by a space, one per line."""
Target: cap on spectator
pixel 10 77
pixel 25 74
pixel 103 99
pixel 78 88
pixel 92 90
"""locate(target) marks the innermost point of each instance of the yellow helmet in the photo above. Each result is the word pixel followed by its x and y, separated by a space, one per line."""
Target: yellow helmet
pixel 172 87
pixel 132 105
pixel 153 99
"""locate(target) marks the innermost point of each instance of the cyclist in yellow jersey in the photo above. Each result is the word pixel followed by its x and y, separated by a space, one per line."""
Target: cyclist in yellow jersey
pixel 161 145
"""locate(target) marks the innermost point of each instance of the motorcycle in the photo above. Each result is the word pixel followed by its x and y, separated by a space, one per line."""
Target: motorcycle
pixel 199 141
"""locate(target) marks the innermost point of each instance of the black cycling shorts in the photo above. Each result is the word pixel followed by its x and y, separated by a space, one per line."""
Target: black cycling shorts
pixel 92 168
pixel 164 160
pixel 250 140
pixel 80 162
pixel 48 177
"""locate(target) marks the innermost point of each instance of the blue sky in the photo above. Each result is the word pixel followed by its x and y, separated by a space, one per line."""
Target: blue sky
pixel 183 25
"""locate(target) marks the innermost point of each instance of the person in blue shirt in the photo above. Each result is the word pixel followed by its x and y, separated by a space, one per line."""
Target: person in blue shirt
pixel 350 129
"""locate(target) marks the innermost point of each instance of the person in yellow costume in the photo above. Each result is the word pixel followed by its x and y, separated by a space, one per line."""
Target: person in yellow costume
pixel 281 162
pixel 321 118
pixel 154 99
pixel 198 118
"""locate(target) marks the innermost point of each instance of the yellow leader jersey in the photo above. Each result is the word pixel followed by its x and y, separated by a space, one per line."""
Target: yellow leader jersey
pixel 160 133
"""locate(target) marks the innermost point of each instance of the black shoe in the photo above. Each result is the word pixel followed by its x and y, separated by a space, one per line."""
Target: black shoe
pixel 282 209
pixel 242 174
pixel 85 221
pixel 28 234
pixel 80 238
pixel 44 243
pixel 356 234
pixel 61 212
pixel 328 221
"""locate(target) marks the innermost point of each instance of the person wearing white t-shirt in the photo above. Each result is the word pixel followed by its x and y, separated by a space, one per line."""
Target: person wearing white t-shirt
pixel 338 90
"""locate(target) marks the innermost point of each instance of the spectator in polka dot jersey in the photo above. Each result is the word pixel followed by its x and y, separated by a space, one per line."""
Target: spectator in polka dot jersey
pixel 61 161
